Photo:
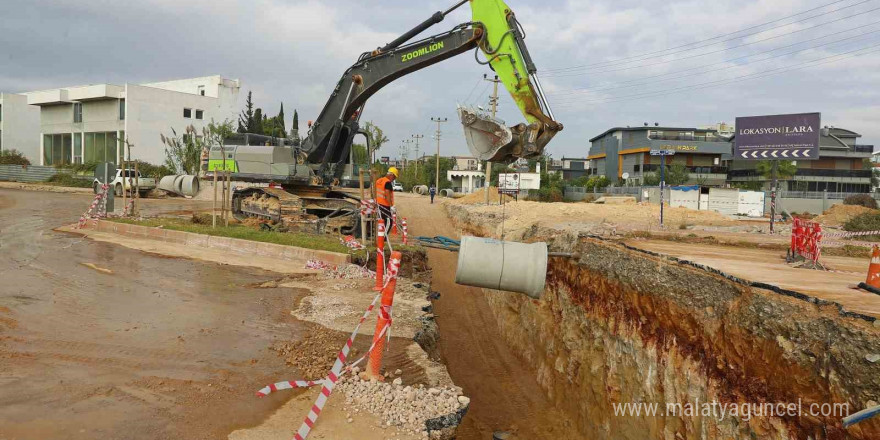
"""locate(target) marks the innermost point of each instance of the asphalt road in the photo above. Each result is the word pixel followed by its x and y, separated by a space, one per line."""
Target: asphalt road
pixel 156 348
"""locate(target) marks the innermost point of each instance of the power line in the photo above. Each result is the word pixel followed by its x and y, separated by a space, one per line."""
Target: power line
pixel 472 90
pixel 624 61
pixel 756 75
pixel 636 82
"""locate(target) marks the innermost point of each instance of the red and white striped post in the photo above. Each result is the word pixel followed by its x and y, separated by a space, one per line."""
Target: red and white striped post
pixel 374 363
pixel 380 255
pixel 405 232
pixel 394 222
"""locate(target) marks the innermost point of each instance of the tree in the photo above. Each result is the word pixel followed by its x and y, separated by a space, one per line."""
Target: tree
pixel 677 174
pixel 246 119
pixel 257 126
pixel 376 135
pixel 359 154
pixel 183 153
pixel 213 136
pixel 785 171
pixel 294 130
pixel 279 121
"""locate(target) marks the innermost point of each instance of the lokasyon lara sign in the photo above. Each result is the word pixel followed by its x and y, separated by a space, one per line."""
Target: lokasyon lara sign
pixel 788 137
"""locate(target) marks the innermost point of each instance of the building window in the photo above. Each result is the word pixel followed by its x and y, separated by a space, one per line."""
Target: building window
pixel 636 168
pixel 121 109
pixel 77 148
pixel 202 90
pixel 57 149
pixel 77 112
pixel 200 114
pixel 100 147
pixel 187 113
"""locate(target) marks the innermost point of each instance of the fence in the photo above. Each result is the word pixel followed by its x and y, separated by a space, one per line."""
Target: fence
pixel 32 173
pixel 20 173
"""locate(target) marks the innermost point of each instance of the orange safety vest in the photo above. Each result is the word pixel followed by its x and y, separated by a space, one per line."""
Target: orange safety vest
pixel 381 194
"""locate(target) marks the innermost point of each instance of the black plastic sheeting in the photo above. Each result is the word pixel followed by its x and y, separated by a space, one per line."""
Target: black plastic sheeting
pixel 790 293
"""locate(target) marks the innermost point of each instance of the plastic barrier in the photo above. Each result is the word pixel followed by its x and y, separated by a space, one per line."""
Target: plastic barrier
pixel 806 238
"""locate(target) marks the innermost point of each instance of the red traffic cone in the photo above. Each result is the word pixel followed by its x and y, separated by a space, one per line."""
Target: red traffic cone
pixel 874 269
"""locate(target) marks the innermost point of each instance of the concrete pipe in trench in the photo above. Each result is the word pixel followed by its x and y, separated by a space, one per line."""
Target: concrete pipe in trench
pixel 502 265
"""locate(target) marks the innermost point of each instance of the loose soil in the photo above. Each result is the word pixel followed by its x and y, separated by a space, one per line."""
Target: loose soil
pixel 839 214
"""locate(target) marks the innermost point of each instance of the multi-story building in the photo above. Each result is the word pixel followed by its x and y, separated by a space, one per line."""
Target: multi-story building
pixel 574 167
pixel 626 150
pixel 839 168
pixel 466 163
pixel 92 123
pixel 19 125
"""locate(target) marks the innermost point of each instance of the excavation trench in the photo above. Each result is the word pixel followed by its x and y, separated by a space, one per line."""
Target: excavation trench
pixel 619 325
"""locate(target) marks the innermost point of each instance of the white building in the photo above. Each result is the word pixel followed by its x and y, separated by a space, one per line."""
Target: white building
pixel 19 125
pixel 90 123
pixel 466 181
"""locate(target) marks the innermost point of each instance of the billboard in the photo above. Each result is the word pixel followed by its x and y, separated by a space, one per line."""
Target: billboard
pixel 508 182
pixel 791 137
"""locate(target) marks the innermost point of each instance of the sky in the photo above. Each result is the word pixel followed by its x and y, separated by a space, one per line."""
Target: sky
pixel 603 63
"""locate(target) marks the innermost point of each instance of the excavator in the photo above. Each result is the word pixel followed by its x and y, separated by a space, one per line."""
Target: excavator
pixel 303 174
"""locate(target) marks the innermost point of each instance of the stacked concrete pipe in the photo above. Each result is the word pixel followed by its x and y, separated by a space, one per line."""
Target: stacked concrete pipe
pixel 421 190
pixel 180 184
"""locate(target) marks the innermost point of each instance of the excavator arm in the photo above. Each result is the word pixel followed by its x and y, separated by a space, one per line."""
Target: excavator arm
pixel 495 32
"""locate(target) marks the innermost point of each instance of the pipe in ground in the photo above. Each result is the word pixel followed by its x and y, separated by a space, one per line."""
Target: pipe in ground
pixel 502 265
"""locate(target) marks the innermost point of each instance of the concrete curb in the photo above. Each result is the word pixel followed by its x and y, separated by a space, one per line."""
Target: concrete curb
pixel 237 245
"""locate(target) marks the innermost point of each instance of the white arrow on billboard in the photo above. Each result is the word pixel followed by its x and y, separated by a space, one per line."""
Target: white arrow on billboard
pixel 745 154
pixel 806 153
pixel 754 154
pixel 764 153
pixel 784 153
pixel 773 153
pixel 795 153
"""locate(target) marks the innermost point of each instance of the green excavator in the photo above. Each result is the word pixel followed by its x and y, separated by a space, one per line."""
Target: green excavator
pixel 303 174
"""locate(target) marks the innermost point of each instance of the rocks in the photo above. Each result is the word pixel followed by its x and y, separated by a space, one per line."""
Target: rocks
pixel 407 408
pixel 872 358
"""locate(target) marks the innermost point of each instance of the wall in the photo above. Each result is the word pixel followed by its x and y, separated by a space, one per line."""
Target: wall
pixel 20 126
pixel 152 111
pixel 620 325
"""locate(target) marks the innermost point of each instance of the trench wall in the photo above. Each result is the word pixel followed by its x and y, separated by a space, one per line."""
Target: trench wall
pixel 620 326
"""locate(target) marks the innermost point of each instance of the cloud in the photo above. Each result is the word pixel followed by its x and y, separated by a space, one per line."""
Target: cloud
pixel 295 51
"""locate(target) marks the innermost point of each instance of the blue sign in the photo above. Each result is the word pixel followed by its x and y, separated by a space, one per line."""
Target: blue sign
pixel 786 137
pixel 662 152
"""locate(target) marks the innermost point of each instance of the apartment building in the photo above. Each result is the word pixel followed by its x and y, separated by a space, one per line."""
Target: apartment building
pixel 93 123
pixel 19 125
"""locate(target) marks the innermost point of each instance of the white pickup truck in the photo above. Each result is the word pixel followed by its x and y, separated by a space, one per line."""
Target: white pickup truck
pixel 131 181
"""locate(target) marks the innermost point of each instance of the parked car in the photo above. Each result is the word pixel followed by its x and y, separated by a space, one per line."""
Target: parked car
pixel 397 186
pixel 132 180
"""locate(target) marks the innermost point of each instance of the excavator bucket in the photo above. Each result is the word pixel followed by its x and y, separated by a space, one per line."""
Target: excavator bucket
pixel 488 138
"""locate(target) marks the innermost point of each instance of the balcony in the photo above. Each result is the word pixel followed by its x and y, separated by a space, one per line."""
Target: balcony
pixel 650 168
pixel 688 138
pixel 864 174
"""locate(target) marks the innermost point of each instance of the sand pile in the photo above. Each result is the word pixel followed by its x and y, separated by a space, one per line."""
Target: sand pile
pixel 479 196
pixel 837 215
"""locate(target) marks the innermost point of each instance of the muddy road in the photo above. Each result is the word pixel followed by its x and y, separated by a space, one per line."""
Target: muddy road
pixel 155 348
pixel 505 396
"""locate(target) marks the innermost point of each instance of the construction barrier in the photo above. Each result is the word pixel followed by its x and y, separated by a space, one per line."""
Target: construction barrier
pixel 380 255
pixel 405 232
pixel 806 238
pixel 368 207
pixel 393 221
pixel 339 368
pixel 97 210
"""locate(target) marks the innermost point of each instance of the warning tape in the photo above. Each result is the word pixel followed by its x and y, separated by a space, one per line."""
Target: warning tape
pixel 405 232
pixel 350 242
pixel 339 368
pixel 850 234
pixel 849 243
pixel 368 207
pixel 99 204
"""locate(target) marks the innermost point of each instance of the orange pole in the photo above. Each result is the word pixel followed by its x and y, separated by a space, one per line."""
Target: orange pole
pixel 374 363
pixel 380 255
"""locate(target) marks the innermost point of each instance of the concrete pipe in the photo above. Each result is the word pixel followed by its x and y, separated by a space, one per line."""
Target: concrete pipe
pixel 447 193
pixel 502 265
pixel 421 190
pixel 180 184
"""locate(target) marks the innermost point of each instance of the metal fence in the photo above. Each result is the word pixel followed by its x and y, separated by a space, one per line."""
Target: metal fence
pixel 30 173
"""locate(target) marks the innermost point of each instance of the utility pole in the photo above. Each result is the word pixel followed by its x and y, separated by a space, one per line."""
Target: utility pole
pixel 438 120
pixel 773 190
pixel 494 102
pixel 417 137
pixel 405 153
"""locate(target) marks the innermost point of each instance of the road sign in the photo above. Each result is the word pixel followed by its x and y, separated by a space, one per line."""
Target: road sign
pixel 662 152
pixel 778 137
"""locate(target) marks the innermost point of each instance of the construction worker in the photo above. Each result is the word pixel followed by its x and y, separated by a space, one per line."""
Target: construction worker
pixel 432 192
pixel 385 196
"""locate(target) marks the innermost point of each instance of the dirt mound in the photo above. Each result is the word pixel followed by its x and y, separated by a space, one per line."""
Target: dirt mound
pixel 479 196
pixel 837 215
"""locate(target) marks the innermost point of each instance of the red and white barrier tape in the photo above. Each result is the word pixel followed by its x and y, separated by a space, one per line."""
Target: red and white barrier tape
pixel 368 207
pixel 339 368
pixel 350 242
pixel 99 203
pixel 849 234
pixel 405 232
pixel 319 265
pixel 849 243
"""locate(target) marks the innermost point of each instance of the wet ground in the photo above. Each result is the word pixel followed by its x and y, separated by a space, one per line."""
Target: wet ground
pixel 102 341
pixel 504 392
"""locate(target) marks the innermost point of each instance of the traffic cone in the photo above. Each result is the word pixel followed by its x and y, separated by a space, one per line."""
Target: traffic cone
pixel 874 269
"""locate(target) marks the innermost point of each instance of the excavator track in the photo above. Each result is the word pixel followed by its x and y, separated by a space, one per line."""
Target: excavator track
pixel 313 212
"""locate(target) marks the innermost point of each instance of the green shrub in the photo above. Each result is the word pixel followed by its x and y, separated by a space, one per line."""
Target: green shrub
pixel 66 179
pixel 13 157
pixel 861 200
pixel 869 221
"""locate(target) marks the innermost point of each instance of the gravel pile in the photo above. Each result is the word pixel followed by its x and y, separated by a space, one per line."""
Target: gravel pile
pixel 407 408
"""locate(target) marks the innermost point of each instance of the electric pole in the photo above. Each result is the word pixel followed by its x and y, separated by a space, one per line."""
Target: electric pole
pixel 417 137
pixel 494 102
pixel 438 120
pixel 405 152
